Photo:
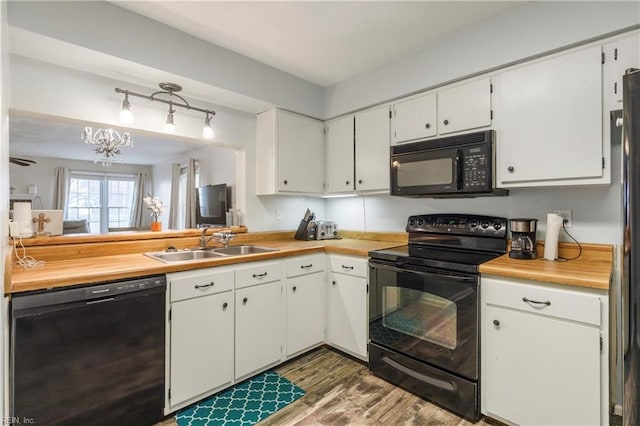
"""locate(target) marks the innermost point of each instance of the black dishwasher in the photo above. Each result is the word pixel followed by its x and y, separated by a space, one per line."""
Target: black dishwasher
pixel 90 354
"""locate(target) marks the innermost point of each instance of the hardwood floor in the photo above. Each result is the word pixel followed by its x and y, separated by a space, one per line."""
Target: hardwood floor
pixel 342 391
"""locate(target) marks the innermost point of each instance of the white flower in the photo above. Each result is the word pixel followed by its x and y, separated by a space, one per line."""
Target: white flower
pixel 155 205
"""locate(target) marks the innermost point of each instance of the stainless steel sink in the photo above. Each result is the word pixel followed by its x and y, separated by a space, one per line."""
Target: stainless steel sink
pixel 242 250
pixel 184 256
pixel 190 255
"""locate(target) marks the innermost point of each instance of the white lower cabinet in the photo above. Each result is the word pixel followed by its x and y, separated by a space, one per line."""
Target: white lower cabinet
pixel 542 356
pixel 348 326
pixel 305 313
pixel 258 318
pixel 201 331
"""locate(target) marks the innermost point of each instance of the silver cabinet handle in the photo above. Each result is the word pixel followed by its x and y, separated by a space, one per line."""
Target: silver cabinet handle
pixel 536 302
pixel 211 284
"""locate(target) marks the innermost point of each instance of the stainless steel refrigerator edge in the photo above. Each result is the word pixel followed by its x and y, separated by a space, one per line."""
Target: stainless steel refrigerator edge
pixel 631 249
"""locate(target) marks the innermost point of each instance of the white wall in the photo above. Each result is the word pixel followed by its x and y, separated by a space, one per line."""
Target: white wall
pixel 533 29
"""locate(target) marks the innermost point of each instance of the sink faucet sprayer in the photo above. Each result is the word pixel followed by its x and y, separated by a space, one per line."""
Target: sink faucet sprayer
pixel 222 237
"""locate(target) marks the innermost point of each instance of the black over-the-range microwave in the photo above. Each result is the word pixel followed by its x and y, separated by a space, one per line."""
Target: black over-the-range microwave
pixel 453 166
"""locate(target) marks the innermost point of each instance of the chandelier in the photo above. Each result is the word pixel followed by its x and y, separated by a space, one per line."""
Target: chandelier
pixel 107 144
pixel 168 96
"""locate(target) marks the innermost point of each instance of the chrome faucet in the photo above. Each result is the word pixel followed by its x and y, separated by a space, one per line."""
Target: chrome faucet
pixel 224 237
pixel 204 239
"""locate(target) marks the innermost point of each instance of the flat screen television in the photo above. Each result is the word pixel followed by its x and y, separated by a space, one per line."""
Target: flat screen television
pixel 212 203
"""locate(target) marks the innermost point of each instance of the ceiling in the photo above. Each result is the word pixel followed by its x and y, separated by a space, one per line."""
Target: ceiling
pixel 323 42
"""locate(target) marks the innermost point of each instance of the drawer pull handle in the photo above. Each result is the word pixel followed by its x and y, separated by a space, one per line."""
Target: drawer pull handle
pixel 333 282
pixel 537 302
pixel 496 323
pixel 306 266
pixel 262 275
pixel 244 301
pixel 294 288
pixel 225 305
pixel 347 268
pixel 204 285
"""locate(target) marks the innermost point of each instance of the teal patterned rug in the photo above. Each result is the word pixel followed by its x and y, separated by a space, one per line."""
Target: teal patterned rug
pixel 244 404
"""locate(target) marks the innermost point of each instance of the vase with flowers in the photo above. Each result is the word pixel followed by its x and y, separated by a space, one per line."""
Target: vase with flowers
pixel 155 205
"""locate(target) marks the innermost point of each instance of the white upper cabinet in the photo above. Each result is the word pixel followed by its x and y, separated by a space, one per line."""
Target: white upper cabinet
pixel 289 154
pixel 450 109
pixel 549 121
pixel 619 56
pixel 339 136
pixel 414 118
pixel 372 149
pixel 464 107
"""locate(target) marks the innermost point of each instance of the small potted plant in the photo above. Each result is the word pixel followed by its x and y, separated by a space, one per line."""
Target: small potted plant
pixel 155 205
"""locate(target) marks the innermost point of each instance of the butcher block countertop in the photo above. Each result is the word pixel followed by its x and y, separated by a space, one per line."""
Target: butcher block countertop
pixel 592 269
pixel 94 269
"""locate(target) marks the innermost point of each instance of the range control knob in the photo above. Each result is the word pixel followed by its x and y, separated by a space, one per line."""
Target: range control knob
pixel 473 224
pixel 484 225
pixel 420 221
pixel 497 226
pixel 412 222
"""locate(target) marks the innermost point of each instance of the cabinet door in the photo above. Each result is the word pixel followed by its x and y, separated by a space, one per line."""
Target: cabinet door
pixel 620 55
pixel 300 153
pixel 550 125
pixel 258 327
pixel 414 119
pixel 347 321
pixel 464 107
pixel 372 149
pixel 305 313
pixel 201 345
pixel 340 155
pixel 539 369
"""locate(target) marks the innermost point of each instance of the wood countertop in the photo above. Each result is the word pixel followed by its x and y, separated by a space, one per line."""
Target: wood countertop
pixel 61 273
pixel 593 268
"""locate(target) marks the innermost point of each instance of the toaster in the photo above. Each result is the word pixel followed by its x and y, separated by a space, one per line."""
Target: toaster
pixel 326 230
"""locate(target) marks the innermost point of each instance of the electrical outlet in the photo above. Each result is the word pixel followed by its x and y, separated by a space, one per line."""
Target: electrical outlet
pixel 567 216
pixel 278 214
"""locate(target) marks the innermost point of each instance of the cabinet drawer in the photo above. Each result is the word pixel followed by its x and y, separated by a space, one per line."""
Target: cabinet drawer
pixel 302 265
pixel 350 265
pixel 190 284
pixel 560 303
pixel 258 273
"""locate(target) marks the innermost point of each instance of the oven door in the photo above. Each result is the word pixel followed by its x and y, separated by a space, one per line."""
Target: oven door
pixel 426 314
pixel 427 172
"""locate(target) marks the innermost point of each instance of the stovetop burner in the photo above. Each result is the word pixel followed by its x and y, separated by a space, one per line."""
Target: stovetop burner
pixel 454 242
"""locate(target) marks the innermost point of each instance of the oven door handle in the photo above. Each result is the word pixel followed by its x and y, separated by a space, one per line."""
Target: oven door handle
pixel 407 268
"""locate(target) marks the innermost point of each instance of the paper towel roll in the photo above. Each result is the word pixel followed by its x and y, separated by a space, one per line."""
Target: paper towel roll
pixel 554 224
pixel 22 216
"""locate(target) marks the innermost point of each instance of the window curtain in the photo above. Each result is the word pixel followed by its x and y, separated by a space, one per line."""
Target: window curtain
pixel 138 217
pixel 190 200
pixel 61 189
pixel 175 197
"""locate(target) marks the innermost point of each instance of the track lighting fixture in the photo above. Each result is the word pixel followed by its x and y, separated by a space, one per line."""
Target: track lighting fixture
pixel 125 113
pixel 207 130
pixel 169 91
pixel 169 127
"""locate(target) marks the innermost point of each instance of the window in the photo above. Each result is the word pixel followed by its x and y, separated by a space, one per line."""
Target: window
pixel 105 200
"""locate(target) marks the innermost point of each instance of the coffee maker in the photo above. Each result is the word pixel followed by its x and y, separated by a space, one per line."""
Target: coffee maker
pixel 523 238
